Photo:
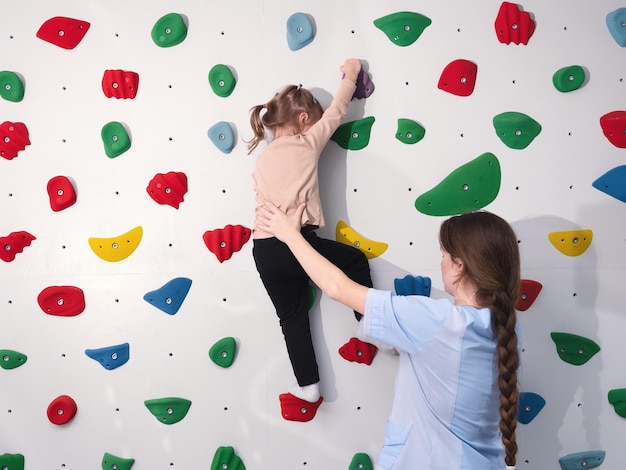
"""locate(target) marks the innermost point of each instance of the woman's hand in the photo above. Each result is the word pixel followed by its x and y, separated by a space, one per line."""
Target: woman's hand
pixel 271 219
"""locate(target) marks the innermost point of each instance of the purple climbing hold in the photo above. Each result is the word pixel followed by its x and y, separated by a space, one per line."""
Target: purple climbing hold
pixel 364 86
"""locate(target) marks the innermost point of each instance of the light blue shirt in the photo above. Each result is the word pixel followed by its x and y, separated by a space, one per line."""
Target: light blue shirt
pixel 446 399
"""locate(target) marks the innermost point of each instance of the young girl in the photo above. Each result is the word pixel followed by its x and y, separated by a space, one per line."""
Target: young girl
pixel 455 400
pixel 287 174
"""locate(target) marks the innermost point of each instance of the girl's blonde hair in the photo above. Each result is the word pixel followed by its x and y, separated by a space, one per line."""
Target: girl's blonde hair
pixel 283 111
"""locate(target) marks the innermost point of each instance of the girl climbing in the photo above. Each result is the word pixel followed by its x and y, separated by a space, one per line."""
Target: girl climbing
pixel 286 173
pixel 456 394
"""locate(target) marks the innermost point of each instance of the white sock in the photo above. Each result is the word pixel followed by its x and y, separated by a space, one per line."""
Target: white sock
pixel 310 393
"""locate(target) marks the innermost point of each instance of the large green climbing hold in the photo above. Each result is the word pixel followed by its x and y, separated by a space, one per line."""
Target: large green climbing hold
pixel 569 78
pixel 115 139
pixel 222 353
pixel 574 349
pixel 11 86
pixel 516 130
pixel 222 80
pixel 361 461
pixel 112 462
pixel 403 27
pixel 354 135
pixel 168 410
pixel 409 131
pixel 468 188
pixel 11 359
pixel 12 462
pixel 169 30
pixel 226 458
pixel 617 398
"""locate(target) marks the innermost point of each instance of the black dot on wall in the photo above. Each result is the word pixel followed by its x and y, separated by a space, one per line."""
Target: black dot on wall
pixel 355 190
pixel 10 194
pixel 513 82
pixel 223 191
pixel 406 83
pixel 458 30
pixel 352 31
pixel 222 33
pixel 224 299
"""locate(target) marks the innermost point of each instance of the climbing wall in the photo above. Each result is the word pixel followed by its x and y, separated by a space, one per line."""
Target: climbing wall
pixel 134 329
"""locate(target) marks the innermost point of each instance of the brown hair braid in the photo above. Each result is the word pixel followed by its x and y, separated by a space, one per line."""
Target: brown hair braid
pixel 488 247
pixel 283 110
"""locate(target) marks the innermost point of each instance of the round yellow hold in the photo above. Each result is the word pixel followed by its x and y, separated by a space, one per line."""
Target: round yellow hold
pixel 571 242
pixel 117 248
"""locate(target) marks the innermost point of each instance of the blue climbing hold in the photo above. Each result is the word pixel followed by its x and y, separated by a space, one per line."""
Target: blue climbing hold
pixel 110 357
pixel 170 297
pixel 412 285
pixel 616 22
pixel 613 183
pixel 582 460
pixel 300 31
pixel 223 136
pixel 528 406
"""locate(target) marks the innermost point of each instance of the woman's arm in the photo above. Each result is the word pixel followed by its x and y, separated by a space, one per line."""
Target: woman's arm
pixel 326 275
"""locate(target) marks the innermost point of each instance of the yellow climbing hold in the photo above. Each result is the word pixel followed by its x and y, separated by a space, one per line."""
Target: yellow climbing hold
pixel 117 248
pixel 348 236
pixel 571 242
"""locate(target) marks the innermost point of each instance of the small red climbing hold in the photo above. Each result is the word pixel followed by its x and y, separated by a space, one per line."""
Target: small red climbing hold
pixel 13 138
pixel 529 290
pixel 169 188
pixel 513 25
pixel 13 244
pixel 61 193
pixel 120 84
pixel 225 241
pixel 458 77
pixel 63 32
pixel 359 351
pixel 614 127
pixel 296 409
pixel 62 409
pixel 62 301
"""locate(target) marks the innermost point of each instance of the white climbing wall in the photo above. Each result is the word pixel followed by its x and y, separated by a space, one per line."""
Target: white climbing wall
pixel 545 188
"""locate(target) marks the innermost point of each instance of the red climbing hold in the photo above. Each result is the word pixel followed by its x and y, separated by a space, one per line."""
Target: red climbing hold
pixel 63 32
pixel 513 25
pixel 529 290
pixel 296 409
pixel 120 84
pixel 458 77
pixel 13 244
pixel 225 241
pixel 62 301
pixel 13 138
pixel 62 409
pixel 359 351
pixel 61 192
pixel 614 127
pixel 168 188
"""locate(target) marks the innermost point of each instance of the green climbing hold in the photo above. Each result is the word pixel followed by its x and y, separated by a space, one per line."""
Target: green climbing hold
pixel 312 296
pixel 409 132
pixel 354 135
pixel 111 462
pixel 574 349
pixel 169 30
pixel 361 461
pixel 11 359
pixel 115 139
pixel 516 130
pixel 617 398
pixel 222 353
pixel 222 80
pixel 12 462
pixel 403 27
pixel 468 188
pixel 225 457
pixel 569 78
pixel 168 410
pixel 11 86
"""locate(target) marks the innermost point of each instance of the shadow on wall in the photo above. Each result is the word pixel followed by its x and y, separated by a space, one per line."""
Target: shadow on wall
pixel 570 420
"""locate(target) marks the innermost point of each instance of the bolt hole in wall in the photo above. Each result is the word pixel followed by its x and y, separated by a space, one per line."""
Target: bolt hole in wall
pixel 249 313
